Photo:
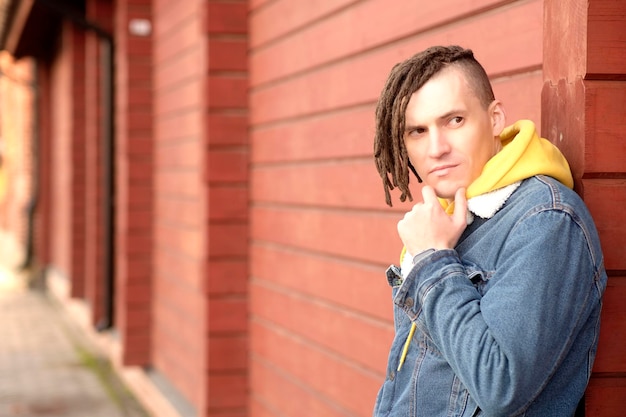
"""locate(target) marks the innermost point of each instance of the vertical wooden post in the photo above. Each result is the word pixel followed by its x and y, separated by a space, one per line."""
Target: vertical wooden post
pixel 583 99
pixel 226 178
pixel 134 171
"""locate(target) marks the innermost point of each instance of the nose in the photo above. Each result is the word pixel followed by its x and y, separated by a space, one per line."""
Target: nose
pixel 438 144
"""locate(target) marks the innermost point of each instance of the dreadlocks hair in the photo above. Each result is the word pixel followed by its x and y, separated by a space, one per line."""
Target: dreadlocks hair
pixel 390 154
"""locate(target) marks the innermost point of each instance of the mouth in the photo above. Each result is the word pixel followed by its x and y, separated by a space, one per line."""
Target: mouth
pixel 442 169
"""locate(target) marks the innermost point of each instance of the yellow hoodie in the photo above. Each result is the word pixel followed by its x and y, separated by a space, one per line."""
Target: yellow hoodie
pixel 523 155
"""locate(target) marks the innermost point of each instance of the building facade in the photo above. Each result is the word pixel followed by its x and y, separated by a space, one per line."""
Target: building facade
pixel 205 195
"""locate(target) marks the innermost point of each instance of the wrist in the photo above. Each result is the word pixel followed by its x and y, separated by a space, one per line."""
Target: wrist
pixel 421 255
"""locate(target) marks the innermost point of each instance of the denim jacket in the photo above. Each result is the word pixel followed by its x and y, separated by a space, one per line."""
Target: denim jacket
pixel 506 323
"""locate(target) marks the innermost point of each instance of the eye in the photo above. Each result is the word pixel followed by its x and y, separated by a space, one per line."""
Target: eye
pixel 456 121
pixel 418 131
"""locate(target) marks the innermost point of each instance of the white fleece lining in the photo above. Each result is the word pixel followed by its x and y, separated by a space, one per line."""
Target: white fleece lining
pixel 487 205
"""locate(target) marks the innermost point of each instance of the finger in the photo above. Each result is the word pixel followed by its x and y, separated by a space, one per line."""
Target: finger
pixel 429 196
pixel 460 206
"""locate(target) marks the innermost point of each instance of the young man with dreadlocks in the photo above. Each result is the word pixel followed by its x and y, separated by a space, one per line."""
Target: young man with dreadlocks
pixel 497 298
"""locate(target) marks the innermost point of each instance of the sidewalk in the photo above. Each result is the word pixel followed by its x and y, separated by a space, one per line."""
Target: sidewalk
pixel 47 368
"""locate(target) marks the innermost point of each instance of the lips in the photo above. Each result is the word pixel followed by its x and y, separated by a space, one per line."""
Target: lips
pixel 441 169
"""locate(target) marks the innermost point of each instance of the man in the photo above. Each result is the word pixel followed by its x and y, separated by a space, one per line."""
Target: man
pixel 497 299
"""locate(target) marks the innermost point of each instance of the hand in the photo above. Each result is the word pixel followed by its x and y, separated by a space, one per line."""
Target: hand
pixel 428 226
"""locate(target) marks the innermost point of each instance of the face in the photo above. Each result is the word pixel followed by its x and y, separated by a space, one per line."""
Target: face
pixel 449 134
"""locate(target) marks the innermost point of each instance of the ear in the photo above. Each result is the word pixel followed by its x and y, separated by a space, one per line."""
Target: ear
pixel 498 117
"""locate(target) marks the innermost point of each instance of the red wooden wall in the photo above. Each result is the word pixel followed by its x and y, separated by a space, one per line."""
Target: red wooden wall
pixel 179 329
pixel 134 183
pixel 321 235
pixel 583 105
pixel 200 136
pixel 252 234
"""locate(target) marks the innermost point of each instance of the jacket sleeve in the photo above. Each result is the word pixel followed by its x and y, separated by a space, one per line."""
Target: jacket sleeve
pixel 505 345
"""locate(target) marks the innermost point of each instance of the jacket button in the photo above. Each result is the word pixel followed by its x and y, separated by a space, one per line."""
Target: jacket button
pixel 408 302
pixel 392 376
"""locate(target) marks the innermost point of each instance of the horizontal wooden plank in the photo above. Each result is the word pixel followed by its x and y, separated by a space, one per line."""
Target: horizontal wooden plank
pixel 353 285
pixel 352 388
pixel 180 39
pixel 179 212
pixel 280 17
pixel 349 234
pixel 177 126
pixel 276 393
pixel 172 72
pixel 187 240
pixel 339 134
pixel 605 144
pixel 606 38
pixel 347 334
pixel 182 97
pixel 180 183
pixel 605 197
pixel 373 24
pixel 606 397
pixel 171 16
pixel 185 154
pixel 611 356
pixel 341 184
pixel 336 86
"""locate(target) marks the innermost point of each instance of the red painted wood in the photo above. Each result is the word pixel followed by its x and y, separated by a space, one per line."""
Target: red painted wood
pixel 564 40
pixel 335 328
pixel 583 42
pixel 563 120
pixel 332 377
pixel 277 393
pixel 344 233
pixel 293 16
pixel 606 38
pixel 611 356
pixel 335 87
pixel 602 196
pixel 181 341
pixel 356 286
pixel 374 24
pixel 350 183
pixel 606 397
pixel 605 147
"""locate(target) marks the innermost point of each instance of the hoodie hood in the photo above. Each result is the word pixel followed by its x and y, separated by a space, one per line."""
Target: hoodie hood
pixel 524 154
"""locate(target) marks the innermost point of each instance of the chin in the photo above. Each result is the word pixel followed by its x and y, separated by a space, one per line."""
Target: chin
pixel 446 194
pixel 448 191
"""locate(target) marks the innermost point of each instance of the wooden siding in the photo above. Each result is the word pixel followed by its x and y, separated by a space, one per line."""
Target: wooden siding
pixel 583 98
pixel 200 332
pixel 134 184
pixel 321 235
pixel 179 324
